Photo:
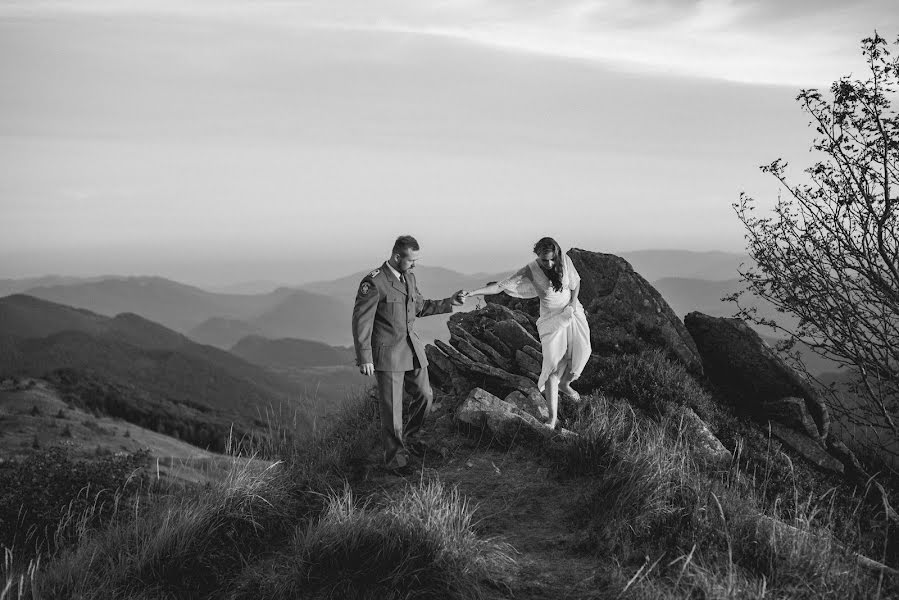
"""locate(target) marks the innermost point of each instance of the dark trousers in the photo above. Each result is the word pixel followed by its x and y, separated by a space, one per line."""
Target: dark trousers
pixel 390 396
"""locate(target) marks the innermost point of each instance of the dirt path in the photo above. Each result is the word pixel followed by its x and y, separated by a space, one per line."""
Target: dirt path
pixel 520 501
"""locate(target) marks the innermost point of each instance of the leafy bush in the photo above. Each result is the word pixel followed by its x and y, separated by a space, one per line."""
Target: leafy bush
pixel 43 496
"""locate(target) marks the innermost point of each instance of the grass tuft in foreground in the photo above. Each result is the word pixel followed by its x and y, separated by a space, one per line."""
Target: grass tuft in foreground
pixel 420 544
pixel 193 543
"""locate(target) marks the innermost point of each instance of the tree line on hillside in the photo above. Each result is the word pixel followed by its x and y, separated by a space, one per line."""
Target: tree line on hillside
pixel 92 393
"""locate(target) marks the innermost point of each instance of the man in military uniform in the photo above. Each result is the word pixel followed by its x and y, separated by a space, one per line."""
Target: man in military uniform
pixel 387 346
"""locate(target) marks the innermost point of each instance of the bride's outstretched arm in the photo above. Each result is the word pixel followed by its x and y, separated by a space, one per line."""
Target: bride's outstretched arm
pixel 518 285
pixel 490 288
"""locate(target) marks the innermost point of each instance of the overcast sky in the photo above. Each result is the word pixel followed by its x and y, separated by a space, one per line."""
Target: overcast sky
pixel 219 141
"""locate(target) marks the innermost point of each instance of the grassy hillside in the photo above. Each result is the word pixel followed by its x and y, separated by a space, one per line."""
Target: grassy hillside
pixel 623 509
pixel 35 416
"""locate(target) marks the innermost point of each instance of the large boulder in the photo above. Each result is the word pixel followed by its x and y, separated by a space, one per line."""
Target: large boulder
pixel 750 372
pixel 625 313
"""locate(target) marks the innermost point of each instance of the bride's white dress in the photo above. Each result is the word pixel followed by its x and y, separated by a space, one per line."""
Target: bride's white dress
pixel 564 336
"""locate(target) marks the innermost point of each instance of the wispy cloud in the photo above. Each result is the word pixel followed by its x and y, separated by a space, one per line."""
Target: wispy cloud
pixel 803 42
pixel 749 42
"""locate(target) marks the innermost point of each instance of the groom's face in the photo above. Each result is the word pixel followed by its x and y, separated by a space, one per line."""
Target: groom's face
pixel 547 260
pixel 406 260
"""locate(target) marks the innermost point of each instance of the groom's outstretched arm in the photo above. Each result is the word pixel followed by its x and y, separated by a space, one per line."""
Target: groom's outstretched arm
pixel 424 308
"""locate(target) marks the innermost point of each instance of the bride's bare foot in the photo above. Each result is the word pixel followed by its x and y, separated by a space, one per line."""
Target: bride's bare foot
pixel 551 425
pixel 569 391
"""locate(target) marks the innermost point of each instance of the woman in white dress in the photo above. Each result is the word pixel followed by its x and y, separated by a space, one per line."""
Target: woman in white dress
pixel 563 329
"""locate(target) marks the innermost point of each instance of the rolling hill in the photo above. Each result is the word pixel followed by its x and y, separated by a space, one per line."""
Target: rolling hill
pixel 300 314
pixel 287 353
pixel 19 286
pixel 222 332
pixel 145 373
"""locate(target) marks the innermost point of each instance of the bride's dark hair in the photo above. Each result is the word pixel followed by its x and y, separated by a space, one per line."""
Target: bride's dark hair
pixel 543 246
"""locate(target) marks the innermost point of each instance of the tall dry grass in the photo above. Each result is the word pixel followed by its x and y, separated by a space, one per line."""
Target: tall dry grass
pixel 698 533
pixel 420 544
pixel 275 527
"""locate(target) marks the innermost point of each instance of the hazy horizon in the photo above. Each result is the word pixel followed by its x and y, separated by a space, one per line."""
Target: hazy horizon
pixel 200 278
pixel 230 141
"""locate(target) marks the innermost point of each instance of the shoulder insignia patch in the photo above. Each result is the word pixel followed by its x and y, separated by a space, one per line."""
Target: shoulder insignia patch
pixel 364 288
pixel 374 273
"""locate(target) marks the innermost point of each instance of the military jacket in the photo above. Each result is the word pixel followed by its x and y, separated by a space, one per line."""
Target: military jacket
pixel 384 317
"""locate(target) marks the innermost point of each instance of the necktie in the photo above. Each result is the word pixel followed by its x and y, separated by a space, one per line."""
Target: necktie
pixel 402 279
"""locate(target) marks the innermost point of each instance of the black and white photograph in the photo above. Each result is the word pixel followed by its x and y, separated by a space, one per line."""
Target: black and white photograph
pixel 449 299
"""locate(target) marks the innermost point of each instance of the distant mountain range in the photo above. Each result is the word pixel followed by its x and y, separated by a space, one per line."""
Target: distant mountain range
pixel 321 310
pixel 684 264
pixel 18 286
pixel 175 305
pixel 686 295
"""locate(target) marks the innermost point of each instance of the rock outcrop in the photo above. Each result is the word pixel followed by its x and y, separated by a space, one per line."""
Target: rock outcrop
pixel 505 421
pixel 758 381
pixel 626 313
pixel 494 354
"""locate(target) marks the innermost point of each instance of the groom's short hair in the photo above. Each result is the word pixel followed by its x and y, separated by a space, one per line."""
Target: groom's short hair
pixel 403 243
